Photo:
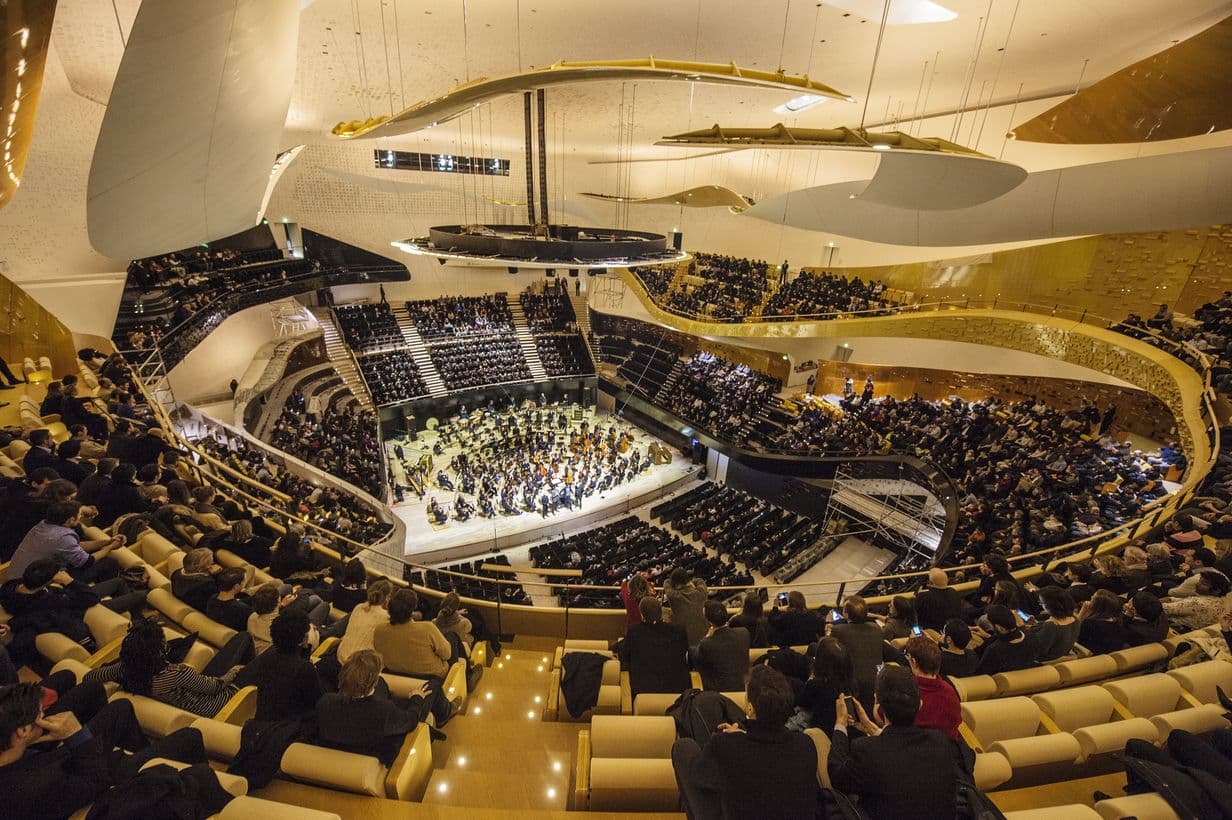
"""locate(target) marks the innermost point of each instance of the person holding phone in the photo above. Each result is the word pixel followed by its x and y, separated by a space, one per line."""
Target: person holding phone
pixel 831 676
pixel 795 625
pixel 899 769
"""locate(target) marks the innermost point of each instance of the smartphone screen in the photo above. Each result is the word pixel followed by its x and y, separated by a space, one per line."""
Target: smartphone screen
pixel 835 615
pixel 915 630
pixel 781 597
pixel 1023 615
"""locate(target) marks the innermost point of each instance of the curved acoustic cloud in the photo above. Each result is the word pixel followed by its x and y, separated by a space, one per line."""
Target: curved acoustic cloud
pixel 1142 194
pixel 702 196
pixel 193 124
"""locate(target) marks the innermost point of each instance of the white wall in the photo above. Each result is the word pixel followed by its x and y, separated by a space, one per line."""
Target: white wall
pixel 224 355
pixel 85 304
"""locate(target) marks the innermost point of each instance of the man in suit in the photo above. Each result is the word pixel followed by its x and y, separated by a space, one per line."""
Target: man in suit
pixel 722 657
pixel 655 653
pixel 865 643
pixel 758 770
pixel 900 770
pixel 39 454
pixel 937 603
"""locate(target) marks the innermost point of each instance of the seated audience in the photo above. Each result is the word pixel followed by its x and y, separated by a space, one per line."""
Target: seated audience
pixel 752 618
pixel 863 640
pixel 758 770
pixel 194 582
pixel 957 661
pixel 830 678
pixel 361 717
pixel 1203 608
pixel 937 603
pixel 938 701
pixel 1056 636
pixel 364 620
pixel 655 653
pixel 1009 648
pixel 229 605
pixel 722 657
pixel 901 770
pixel 796 625
pixel 1102 630
pixel 1145 621
pixel 288 685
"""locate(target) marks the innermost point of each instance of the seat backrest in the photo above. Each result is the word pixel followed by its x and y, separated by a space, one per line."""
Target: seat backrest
pixel 1027 681
pixel 334 769
pixel 1001 719
pixel 1146 695
pixel 1201 679
pixel 632 736
pixel 1085 670
pixel 1075 708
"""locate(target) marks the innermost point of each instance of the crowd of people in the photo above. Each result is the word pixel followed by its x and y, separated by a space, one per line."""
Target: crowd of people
pixel 448 316
pixel 528 458
pixel 342 442
pixel 633 548
pixel 720 396
pixel 732 287
pixel 824 294
pixel 1208 330
pixel 475 360
pixel 550 311
pixel 564 355
pixel 392 376
pixel 369 326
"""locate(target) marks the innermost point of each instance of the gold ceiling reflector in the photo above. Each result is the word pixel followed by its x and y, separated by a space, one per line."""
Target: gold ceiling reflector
pixel 782 136
pixel 462 98
pixel 703 196
pixel 23 52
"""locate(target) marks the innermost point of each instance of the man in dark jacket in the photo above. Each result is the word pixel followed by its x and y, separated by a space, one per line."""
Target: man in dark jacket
pixel 39 454
pixel 655 653
pixel 899 770
pixel 865 643
pixel 24 506
pixel 761 770
pixel 722 657
pixel 937 603
pixel 288 686
pixel 361 718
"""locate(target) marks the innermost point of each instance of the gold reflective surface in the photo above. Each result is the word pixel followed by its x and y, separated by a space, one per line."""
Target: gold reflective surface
pixel 842 137
pixel 703 196
pixel 1182 91
pixel 24 36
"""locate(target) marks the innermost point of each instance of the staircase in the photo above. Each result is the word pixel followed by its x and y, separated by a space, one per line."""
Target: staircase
pixel 342 358
pixel 581 314
pixel 672 378
pixel 418 349
pixel 526 340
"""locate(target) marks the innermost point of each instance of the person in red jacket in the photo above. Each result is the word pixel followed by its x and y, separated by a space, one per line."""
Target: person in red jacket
pixel 939 707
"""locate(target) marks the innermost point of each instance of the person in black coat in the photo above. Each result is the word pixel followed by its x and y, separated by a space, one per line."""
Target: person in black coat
pixel 865 643
pixel 900 770
pixel 795 625
pixel 121 497
pixel 760 770
pixel 722 657
pixel 1010 649
pixel 361 717
pixel 938 602
pixel 288 686
pixel 39 454
pixel 655 653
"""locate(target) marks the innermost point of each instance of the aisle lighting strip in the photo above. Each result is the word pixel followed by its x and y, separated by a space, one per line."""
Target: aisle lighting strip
pixel 24 36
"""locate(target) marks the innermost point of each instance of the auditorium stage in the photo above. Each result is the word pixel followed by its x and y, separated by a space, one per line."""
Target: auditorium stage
pixel 458 540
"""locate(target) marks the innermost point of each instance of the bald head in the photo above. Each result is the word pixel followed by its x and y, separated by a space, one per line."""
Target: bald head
pixel 937 579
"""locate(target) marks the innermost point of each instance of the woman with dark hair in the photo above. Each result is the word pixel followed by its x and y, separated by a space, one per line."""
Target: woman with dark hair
pixel 350 588
pixel 144 668
pixel 251 547
pixel 451 620
pixel 120 497
pixel 1102 628
pixel 632 591
pixel 293 561
pixel 832 676
pixel 1056 636
pixel 900 620
pixel 752 617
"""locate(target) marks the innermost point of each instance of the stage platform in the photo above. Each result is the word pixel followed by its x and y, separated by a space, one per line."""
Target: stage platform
pixel 459 540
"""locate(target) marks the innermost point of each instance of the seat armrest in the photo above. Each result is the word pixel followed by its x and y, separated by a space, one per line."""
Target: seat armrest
pixel 407 778
pixel 581 773
pixel 241 708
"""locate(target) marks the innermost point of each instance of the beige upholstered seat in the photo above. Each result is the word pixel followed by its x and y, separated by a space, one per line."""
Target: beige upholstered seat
pixel 254 808
pixel 976 687
pixel 649 703
pixel 1091 714
pixel 210 631
pixel 991 770
pixel 234 785
pixel 156 718
pixel 154 548
pixel 1148 806
pixel 1027 681
pixel 624 765
pixel 609 685
pixel 1201 679
pixel 1085 670
pixel 1074 811
pixel 1012 727
pixel 1139 657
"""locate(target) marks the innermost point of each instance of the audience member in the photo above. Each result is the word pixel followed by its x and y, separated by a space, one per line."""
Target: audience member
pixel 722 657
pixel 655 653
pixel 361 717
pixel 938 701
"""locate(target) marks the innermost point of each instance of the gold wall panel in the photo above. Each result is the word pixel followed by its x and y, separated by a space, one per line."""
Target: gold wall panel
pixel 1182 91
pixel 1110 276
pixel 25 32
pixel 27 329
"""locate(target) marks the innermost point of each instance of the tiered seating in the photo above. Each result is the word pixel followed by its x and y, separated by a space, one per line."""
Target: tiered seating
pixel 509 593
pixel 615 551
pixel 340 442
pixel 564 355
pixel 476 360
pixel 392 376
pixel 369 327
pixel 449 316
pixel 647 369
pixel 721 287
pixel 825 296
pixel 721 397
pixel 548 312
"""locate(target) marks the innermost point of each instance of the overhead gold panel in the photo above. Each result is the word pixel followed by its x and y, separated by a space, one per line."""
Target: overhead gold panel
pixel 462 98
pixel 703 196
pixel 841 137
pixel 1182 91
pixel 26 32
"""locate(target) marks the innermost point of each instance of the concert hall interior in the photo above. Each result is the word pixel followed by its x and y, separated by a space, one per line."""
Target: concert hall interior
pixel 531 408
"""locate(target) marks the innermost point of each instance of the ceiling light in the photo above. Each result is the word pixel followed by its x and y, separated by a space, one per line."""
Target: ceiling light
pixel 798 104
pixel 901 12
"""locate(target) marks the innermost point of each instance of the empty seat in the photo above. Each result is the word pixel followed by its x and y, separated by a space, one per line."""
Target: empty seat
pixel 1012 727
pixel 1074 811
pixel 624 764
pixel 609 699
pixel 1149 806
pixel 1139 657
pixel 1092 715
pixel 1201 679
pixel 1085 670
pixel 976 687
pixel 254 808
pixel 991 770
pixel 1026 681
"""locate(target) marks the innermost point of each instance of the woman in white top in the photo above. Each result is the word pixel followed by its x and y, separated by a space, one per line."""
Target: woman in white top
pixel 364 619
